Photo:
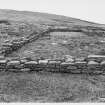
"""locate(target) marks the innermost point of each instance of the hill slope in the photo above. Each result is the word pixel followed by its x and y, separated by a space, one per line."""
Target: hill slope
pixel 50 34
pixel 36 17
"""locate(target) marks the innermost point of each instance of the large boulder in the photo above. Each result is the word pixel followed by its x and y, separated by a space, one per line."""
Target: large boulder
pixel 14 64
pixel 31 64
pixel 3 63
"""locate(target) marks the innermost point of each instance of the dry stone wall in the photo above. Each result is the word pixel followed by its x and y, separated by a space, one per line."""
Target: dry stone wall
pixel 20 65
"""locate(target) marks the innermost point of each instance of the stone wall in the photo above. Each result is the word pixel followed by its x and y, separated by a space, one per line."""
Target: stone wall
pixel 64 67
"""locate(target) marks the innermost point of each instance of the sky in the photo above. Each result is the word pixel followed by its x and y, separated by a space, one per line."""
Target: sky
pixel 90 10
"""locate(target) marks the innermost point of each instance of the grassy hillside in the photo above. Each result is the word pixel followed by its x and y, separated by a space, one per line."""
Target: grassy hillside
pixel 43 18
pixel 71 36
pixel 50 36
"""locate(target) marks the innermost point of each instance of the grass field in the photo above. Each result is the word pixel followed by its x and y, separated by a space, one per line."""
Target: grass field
pixel 51 87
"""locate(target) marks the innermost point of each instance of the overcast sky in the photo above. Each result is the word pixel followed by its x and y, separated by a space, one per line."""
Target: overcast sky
pixel 91 10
